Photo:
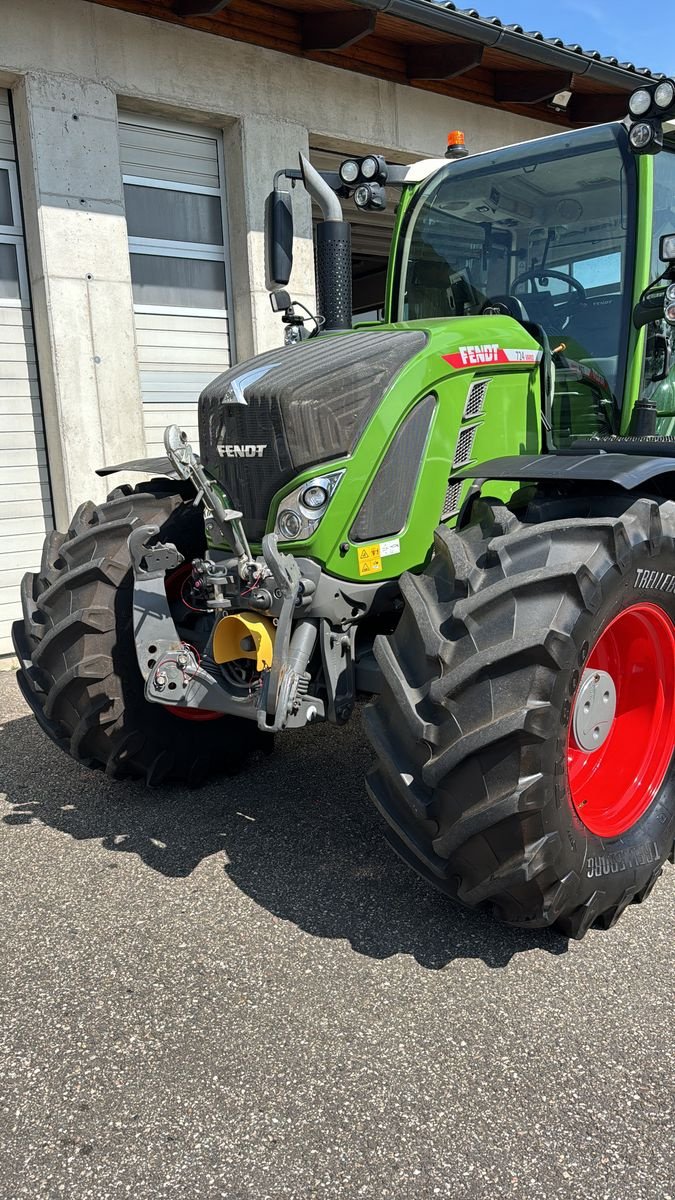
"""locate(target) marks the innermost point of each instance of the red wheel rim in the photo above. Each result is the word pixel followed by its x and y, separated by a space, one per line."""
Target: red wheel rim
pixel 174 585
pixel 613 786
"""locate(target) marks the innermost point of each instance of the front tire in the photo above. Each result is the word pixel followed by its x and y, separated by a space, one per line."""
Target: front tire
pixel 76 647
pixel 474 730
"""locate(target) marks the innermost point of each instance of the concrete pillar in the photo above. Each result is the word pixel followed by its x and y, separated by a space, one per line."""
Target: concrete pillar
pixel 78 261
pixel 255 148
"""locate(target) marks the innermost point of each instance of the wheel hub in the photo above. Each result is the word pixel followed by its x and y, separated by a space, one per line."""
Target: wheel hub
pixel 621 729
pixel 594 709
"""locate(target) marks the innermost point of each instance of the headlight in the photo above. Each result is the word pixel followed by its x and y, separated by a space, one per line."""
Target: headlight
pixel 370 195
pixel 664 94
pixel 289 524
pixel 640 103
pixel 641 134
pixel 670 294
pixel 369 167
pixel 314 496
pixel 643 138
pixel 349 171
pixel 303 509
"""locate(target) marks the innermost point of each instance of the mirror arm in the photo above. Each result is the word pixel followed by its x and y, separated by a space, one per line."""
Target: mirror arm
pixel 291 173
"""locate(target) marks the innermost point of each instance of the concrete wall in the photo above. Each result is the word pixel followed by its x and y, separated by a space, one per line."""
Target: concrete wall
pixel 69 62
pixel 78 261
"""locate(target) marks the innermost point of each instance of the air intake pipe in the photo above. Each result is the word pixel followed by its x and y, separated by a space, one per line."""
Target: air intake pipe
pixel 332 251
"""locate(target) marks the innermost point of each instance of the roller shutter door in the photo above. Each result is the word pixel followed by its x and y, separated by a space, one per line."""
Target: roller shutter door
pixel 25 501
pixel 174 199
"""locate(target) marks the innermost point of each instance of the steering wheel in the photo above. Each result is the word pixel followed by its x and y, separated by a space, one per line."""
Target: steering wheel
pixel 545 273
pixel 508 306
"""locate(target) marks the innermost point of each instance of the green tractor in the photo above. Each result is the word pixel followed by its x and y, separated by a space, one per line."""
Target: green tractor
pixel 464 513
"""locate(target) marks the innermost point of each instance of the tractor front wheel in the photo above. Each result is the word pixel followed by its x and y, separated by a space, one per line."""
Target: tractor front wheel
pixel 76 646
pixel 526 727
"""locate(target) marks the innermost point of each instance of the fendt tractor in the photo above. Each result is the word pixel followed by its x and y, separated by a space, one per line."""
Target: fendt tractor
pixel 463 513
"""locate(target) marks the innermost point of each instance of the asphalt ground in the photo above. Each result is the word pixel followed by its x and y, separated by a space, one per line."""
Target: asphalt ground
pixel 240 992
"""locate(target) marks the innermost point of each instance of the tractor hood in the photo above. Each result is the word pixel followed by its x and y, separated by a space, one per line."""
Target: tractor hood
pixel 264 420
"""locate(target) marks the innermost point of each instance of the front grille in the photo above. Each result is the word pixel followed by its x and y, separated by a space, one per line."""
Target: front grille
pixel 251 481
pixel 304 404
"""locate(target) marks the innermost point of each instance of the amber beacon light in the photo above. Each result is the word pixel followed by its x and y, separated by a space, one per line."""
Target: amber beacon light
pixel 456 147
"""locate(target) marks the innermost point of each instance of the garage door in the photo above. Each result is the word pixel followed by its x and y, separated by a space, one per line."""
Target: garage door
pixel 25 503
pixel 173 189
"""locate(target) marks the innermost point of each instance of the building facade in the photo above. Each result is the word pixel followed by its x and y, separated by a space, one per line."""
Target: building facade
pixel 136 153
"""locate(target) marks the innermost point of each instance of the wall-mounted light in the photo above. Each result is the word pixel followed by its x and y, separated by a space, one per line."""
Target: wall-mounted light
pixel 561 100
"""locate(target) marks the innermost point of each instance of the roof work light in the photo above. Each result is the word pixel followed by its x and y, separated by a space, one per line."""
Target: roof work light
pixel 370 195
pixel 646 137
pixel 371 169
pixel 648 108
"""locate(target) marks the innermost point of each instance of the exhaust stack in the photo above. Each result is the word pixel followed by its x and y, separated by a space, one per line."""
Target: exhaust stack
pixel 333 253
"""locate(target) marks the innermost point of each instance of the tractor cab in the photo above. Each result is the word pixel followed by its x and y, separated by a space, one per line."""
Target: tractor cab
pixel 553 233
pixel 562 234
pixel 546 234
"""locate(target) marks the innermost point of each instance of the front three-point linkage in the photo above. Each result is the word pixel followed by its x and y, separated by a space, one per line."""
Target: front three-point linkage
pixel 220 517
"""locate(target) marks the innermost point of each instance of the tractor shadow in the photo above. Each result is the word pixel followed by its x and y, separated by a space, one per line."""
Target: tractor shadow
pixel 297 832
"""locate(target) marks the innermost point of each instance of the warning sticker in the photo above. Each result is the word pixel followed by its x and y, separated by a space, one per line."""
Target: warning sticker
pixel 370 559
pixel 393 546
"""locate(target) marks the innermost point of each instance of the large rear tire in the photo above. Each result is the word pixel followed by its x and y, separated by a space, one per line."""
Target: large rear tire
pixel 474 731
pixel 76 647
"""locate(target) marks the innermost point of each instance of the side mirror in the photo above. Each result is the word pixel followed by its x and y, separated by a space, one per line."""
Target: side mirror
pixel 278 237
pixel 280 301
pixel 667 248
pixel 657 358
pixel 649 308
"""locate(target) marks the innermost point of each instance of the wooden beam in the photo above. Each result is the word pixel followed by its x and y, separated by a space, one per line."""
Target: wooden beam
pixel 529 87
pixel 199 8
pixel 596 108
pixel 336 30
pixel 443 61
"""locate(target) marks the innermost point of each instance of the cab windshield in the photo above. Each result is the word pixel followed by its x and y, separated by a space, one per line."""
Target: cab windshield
pixel 543 231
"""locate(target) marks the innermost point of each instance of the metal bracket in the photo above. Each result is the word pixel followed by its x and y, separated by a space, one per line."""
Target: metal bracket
pixel 293 711
pixel 151 562
pixel 178 680
pixel 154 631
pixel 281 682
pixel 337 657
pixel 170 668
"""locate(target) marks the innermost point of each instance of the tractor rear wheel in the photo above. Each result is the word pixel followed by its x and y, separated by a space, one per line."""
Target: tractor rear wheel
pixel 525 730
pixel 76 646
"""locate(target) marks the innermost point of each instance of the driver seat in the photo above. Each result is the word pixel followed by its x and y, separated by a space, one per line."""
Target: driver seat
pixel 510 306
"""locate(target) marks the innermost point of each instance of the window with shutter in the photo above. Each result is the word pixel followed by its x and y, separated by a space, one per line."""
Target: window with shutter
pixel 174 203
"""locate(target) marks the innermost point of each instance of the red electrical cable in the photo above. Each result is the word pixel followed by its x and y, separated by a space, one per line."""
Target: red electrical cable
pixel 186 603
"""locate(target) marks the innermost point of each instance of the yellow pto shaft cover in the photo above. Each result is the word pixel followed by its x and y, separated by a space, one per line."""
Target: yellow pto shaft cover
pixel 244 635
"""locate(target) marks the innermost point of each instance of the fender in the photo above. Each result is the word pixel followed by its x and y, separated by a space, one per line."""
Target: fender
pixel 627 471
pixel 145 466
